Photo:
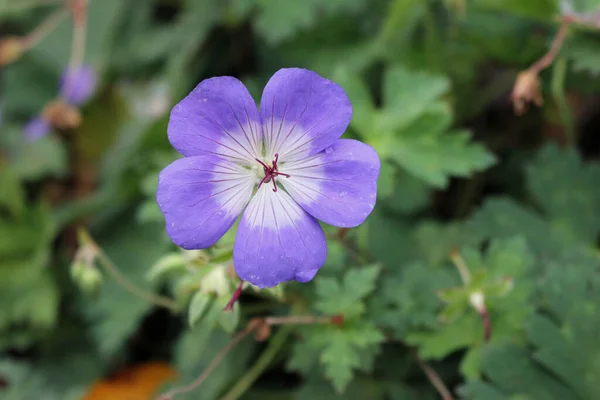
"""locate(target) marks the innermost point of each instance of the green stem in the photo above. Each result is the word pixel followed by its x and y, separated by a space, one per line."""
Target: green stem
pixel 110 267
pixel 265 359
pixel 211 367
pixel 44 29
pixel 13 6
pixel 118 276
pixel 461 265
pixel 559 73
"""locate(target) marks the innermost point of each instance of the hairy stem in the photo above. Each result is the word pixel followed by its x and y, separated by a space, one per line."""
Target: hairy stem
pixel 44 29
pixel 122 280
pixel 555 47
pixel 206 373
pixel 297 320
pixel 487 324
pixel 435 380
pixel 559 74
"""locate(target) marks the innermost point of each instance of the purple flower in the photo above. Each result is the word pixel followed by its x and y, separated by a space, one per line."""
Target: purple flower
pixel 77 86
pixel 37 128
pixel 286 162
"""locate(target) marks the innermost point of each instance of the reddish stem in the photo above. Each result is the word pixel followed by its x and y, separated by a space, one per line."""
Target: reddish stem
pixel 235 297
pixel 487 324
pixel 557 43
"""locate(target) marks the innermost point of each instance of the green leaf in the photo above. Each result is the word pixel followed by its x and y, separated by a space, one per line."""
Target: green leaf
pixel 434 158
pixel 408 299
pixel 116 313
pixel 412 129
pixel 340 350
pixel 408 94
pixel 346 297
pixel 388 238
pixel 228 320
pixel 560 358
pixel 169 264
pixel 512 372
pixel 198 306
pixel 507 309
pixel 28 291
pixel 303 358
pixel 583 51
pixel 281 20
pixel 12 196
pixel 583 6
pixel 401 192
pixel 451 337
pixel 567 190
pixel 504 218
pixel 46 156
pixel 21 381
pixel 341 356
pixel 539 9
pixel 363 109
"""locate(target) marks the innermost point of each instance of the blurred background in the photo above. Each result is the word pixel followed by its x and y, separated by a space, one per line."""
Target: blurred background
pixel 476 276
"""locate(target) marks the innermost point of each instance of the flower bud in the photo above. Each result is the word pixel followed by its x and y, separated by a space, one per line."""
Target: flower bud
pixel 86 276
pixel 11 49
pixel 62 115
pixel 526 90
pixel 90 280
pixel 477 300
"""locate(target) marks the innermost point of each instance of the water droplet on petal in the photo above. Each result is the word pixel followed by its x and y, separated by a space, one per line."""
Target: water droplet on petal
pixel 343 193
pixel 329 150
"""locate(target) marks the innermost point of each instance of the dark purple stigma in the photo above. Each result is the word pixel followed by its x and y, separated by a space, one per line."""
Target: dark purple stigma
pixel 271 172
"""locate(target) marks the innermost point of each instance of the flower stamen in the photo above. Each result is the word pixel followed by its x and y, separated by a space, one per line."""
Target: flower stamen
pixel 271 172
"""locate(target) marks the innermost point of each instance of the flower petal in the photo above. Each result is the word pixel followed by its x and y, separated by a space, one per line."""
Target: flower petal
pixel 37 128
pixel 338 185
pixel 218 117
pixel 302 113
pixel 201 197
pixel 78 85
pixel 277 241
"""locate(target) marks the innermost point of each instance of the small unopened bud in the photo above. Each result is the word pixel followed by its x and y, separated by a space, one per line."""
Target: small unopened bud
pixel 83 269
pixel 11 49
pixel 86 277
pixel 526 90
pixel 337 319
pixel 90 280
pixel 62 115
pixel 477 300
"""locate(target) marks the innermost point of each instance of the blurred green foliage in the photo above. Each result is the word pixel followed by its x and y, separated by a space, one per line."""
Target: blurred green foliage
pixel 516 198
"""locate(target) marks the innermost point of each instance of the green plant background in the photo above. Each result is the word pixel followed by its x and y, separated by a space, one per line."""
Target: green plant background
pixel 516 197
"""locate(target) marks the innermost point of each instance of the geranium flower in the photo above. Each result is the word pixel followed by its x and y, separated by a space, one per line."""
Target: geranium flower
pixel 286 163
pixel 75 89
pixel 79 85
